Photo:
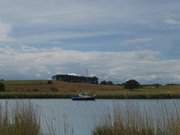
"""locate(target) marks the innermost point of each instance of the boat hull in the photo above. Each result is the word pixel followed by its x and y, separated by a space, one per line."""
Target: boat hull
pixel 83 98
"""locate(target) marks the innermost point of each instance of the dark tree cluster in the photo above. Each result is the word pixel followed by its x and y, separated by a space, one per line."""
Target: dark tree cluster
pixel 131 84
pixel 106 82
pixel 2 86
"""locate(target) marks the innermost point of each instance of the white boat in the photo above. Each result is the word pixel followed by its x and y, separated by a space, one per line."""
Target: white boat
pixel 84 96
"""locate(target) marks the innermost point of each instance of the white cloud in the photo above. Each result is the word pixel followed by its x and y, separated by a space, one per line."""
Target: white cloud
pixel 146 66
pixel 34 22
pixel 139 40
pixel 4 31
pixel 172 21
pixel 45 36
pixel 81 12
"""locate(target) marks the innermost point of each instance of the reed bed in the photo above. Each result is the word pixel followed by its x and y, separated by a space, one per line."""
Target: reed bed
pixel 23 121
pixel 136 123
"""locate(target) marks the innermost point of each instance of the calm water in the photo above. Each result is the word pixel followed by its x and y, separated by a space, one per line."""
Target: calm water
pixel 80 117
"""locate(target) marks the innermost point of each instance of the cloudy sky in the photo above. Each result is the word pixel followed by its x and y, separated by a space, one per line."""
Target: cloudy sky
pixel 113 39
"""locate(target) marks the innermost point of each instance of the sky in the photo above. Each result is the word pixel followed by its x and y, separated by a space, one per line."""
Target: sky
pixel 115 40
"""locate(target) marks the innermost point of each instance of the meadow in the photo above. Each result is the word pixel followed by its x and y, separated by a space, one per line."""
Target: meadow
pixel 59 89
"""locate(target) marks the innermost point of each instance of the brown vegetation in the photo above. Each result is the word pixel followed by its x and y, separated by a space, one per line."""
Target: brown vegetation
pixel 44 86
pixel 59 89
pixel 24 121
pixel 135 123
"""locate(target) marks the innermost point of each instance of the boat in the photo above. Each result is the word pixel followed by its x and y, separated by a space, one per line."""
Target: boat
pixel 84 96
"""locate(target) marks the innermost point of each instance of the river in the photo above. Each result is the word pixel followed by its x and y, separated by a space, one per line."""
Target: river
pixel 81 117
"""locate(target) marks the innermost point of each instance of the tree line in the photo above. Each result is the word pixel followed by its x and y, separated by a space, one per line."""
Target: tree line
pixel 130 84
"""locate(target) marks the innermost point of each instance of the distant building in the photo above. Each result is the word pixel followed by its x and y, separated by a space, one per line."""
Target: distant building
pixel 75 79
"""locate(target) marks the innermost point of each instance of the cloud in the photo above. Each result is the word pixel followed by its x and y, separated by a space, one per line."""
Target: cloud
pixel 172 21
pixel 63 35
pixel 139 40
pixel 114 26
pixel 145 66
pixel 84 12
pixel 4 31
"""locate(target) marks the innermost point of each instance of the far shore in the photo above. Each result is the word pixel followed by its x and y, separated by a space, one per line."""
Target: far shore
pixel 42 89
pixel 29 95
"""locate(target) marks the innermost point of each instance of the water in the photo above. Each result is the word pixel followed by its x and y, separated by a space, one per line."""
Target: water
pixel 81 117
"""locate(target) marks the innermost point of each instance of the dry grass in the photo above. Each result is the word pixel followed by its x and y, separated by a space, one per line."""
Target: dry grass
pixel 59 85
pixel 24 121
pixel 64 89
pixel 136 123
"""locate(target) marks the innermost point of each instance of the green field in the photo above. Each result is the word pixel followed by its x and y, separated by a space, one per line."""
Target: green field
pixel 58 89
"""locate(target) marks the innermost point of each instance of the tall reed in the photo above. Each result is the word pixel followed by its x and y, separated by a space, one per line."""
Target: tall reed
pixel 134 122
pixel 23 121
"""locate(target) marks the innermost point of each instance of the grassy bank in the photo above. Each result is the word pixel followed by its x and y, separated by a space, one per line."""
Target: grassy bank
pixel 33 95
pixel 58 89
pixel 135 123
pixel 59 95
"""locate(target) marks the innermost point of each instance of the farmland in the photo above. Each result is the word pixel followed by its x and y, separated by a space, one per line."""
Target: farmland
pixel 59 89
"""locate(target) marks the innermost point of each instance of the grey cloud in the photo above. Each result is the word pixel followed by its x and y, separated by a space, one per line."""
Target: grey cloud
pixel 140 24
pixel 4 32
pixel 145 66
pixel 85 12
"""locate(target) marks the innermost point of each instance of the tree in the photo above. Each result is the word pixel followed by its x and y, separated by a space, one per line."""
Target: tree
pixel 131 84
pixel 2 86
pixel 106 82
pixel 110 83
pixel 103 82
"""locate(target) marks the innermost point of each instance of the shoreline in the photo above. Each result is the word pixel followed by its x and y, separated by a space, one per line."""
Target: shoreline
pixel 46 95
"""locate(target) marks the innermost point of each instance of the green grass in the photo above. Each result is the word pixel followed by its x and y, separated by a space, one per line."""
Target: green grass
pixel 35 95
pixel 51 95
